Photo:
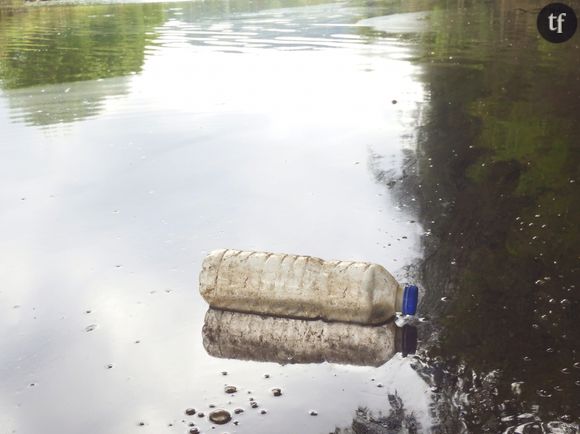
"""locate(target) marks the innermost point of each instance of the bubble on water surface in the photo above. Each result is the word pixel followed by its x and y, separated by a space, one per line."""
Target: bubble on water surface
pixel 543 393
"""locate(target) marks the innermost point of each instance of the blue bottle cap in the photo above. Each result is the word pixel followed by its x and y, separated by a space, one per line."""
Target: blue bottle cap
pixel 410 299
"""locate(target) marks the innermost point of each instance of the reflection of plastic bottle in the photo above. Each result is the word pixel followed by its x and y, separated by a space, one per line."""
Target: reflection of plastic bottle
pixel 233 335
pixel 303 287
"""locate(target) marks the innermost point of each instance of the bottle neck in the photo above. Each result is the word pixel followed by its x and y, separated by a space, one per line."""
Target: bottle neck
pixel 406 340
pixel 399 299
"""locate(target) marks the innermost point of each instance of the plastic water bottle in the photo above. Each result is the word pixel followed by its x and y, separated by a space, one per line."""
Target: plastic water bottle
pixel 303 287
pixel 234 335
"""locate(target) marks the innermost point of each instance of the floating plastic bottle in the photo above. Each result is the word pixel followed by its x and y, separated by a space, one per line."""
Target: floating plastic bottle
pixel 303 287
pixel 234 335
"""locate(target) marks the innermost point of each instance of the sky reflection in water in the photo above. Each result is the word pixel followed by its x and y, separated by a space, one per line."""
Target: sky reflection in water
pixel 250 131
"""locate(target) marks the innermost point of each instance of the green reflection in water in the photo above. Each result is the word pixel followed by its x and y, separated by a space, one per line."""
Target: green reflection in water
pixel 43 45
pixel 499 194
pixel 64 49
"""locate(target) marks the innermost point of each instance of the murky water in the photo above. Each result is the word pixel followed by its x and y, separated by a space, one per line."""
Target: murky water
pixel 137 137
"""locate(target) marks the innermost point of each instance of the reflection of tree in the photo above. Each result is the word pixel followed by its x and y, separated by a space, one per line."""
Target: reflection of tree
pixel 9 8
pixel 70 43
pixel 398 420
pixel 65 102
pixel 499 197
pixel 62 48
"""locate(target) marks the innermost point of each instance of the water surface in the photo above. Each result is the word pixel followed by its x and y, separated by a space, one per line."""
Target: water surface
pixel 137 137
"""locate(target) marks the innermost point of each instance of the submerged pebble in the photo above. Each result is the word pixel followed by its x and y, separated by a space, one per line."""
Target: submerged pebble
pixel 220 416
pixel 276 391
pixel 190 411
pixel 238 410
pixel 230 389
pixel 313 413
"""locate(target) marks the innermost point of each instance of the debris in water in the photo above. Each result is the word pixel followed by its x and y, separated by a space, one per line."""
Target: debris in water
pixel 190 411
pixel 277 391
pixel 313 413
pixel 543 393
pixel 220 416
pixel 230 389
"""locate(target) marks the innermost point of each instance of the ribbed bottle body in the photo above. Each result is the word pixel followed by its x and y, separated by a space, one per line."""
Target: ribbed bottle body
pixel 299 286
